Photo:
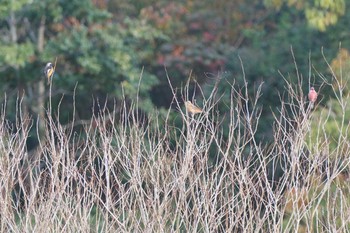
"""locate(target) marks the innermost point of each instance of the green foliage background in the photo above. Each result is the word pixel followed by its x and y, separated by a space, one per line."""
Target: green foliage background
pixel 104 47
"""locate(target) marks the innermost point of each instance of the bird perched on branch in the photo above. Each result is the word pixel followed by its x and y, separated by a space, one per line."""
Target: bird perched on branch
pixel 48 71
pixel 191 108
pixel 312 97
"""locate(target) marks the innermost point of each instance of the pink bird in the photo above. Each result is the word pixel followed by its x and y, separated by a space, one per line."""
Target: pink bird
pixel 312 97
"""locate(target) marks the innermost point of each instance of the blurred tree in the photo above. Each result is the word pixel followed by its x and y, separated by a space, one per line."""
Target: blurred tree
pixel 17 49
pixel 105 45
pixel 340 67
pixel 93 48
pixel 319 13
pixel 200 38
pixel 103 57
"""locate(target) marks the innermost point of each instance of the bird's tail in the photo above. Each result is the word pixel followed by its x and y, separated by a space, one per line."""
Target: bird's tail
pixel 312 105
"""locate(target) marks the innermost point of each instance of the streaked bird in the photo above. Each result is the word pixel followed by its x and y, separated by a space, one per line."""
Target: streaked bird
pixel 191 108
pixel 312 97
pixel 48 71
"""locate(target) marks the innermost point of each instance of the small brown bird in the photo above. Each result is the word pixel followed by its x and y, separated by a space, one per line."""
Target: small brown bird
pixel 312 97
pixel 191 108
pixel 48 71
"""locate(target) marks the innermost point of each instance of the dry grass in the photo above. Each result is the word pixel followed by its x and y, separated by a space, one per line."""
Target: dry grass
pixel 122 174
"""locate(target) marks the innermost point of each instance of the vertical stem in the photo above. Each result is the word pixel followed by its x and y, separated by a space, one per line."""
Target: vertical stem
pixel 107 172
pixel 41 85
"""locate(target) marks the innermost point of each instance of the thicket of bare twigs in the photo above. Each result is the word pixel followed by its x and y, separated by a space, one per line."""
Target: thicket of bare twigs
pixel 124 173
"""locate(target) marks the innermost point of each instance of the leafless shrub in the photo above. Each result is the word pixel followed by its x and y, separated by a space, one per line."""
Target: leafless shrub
pixel 124 174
